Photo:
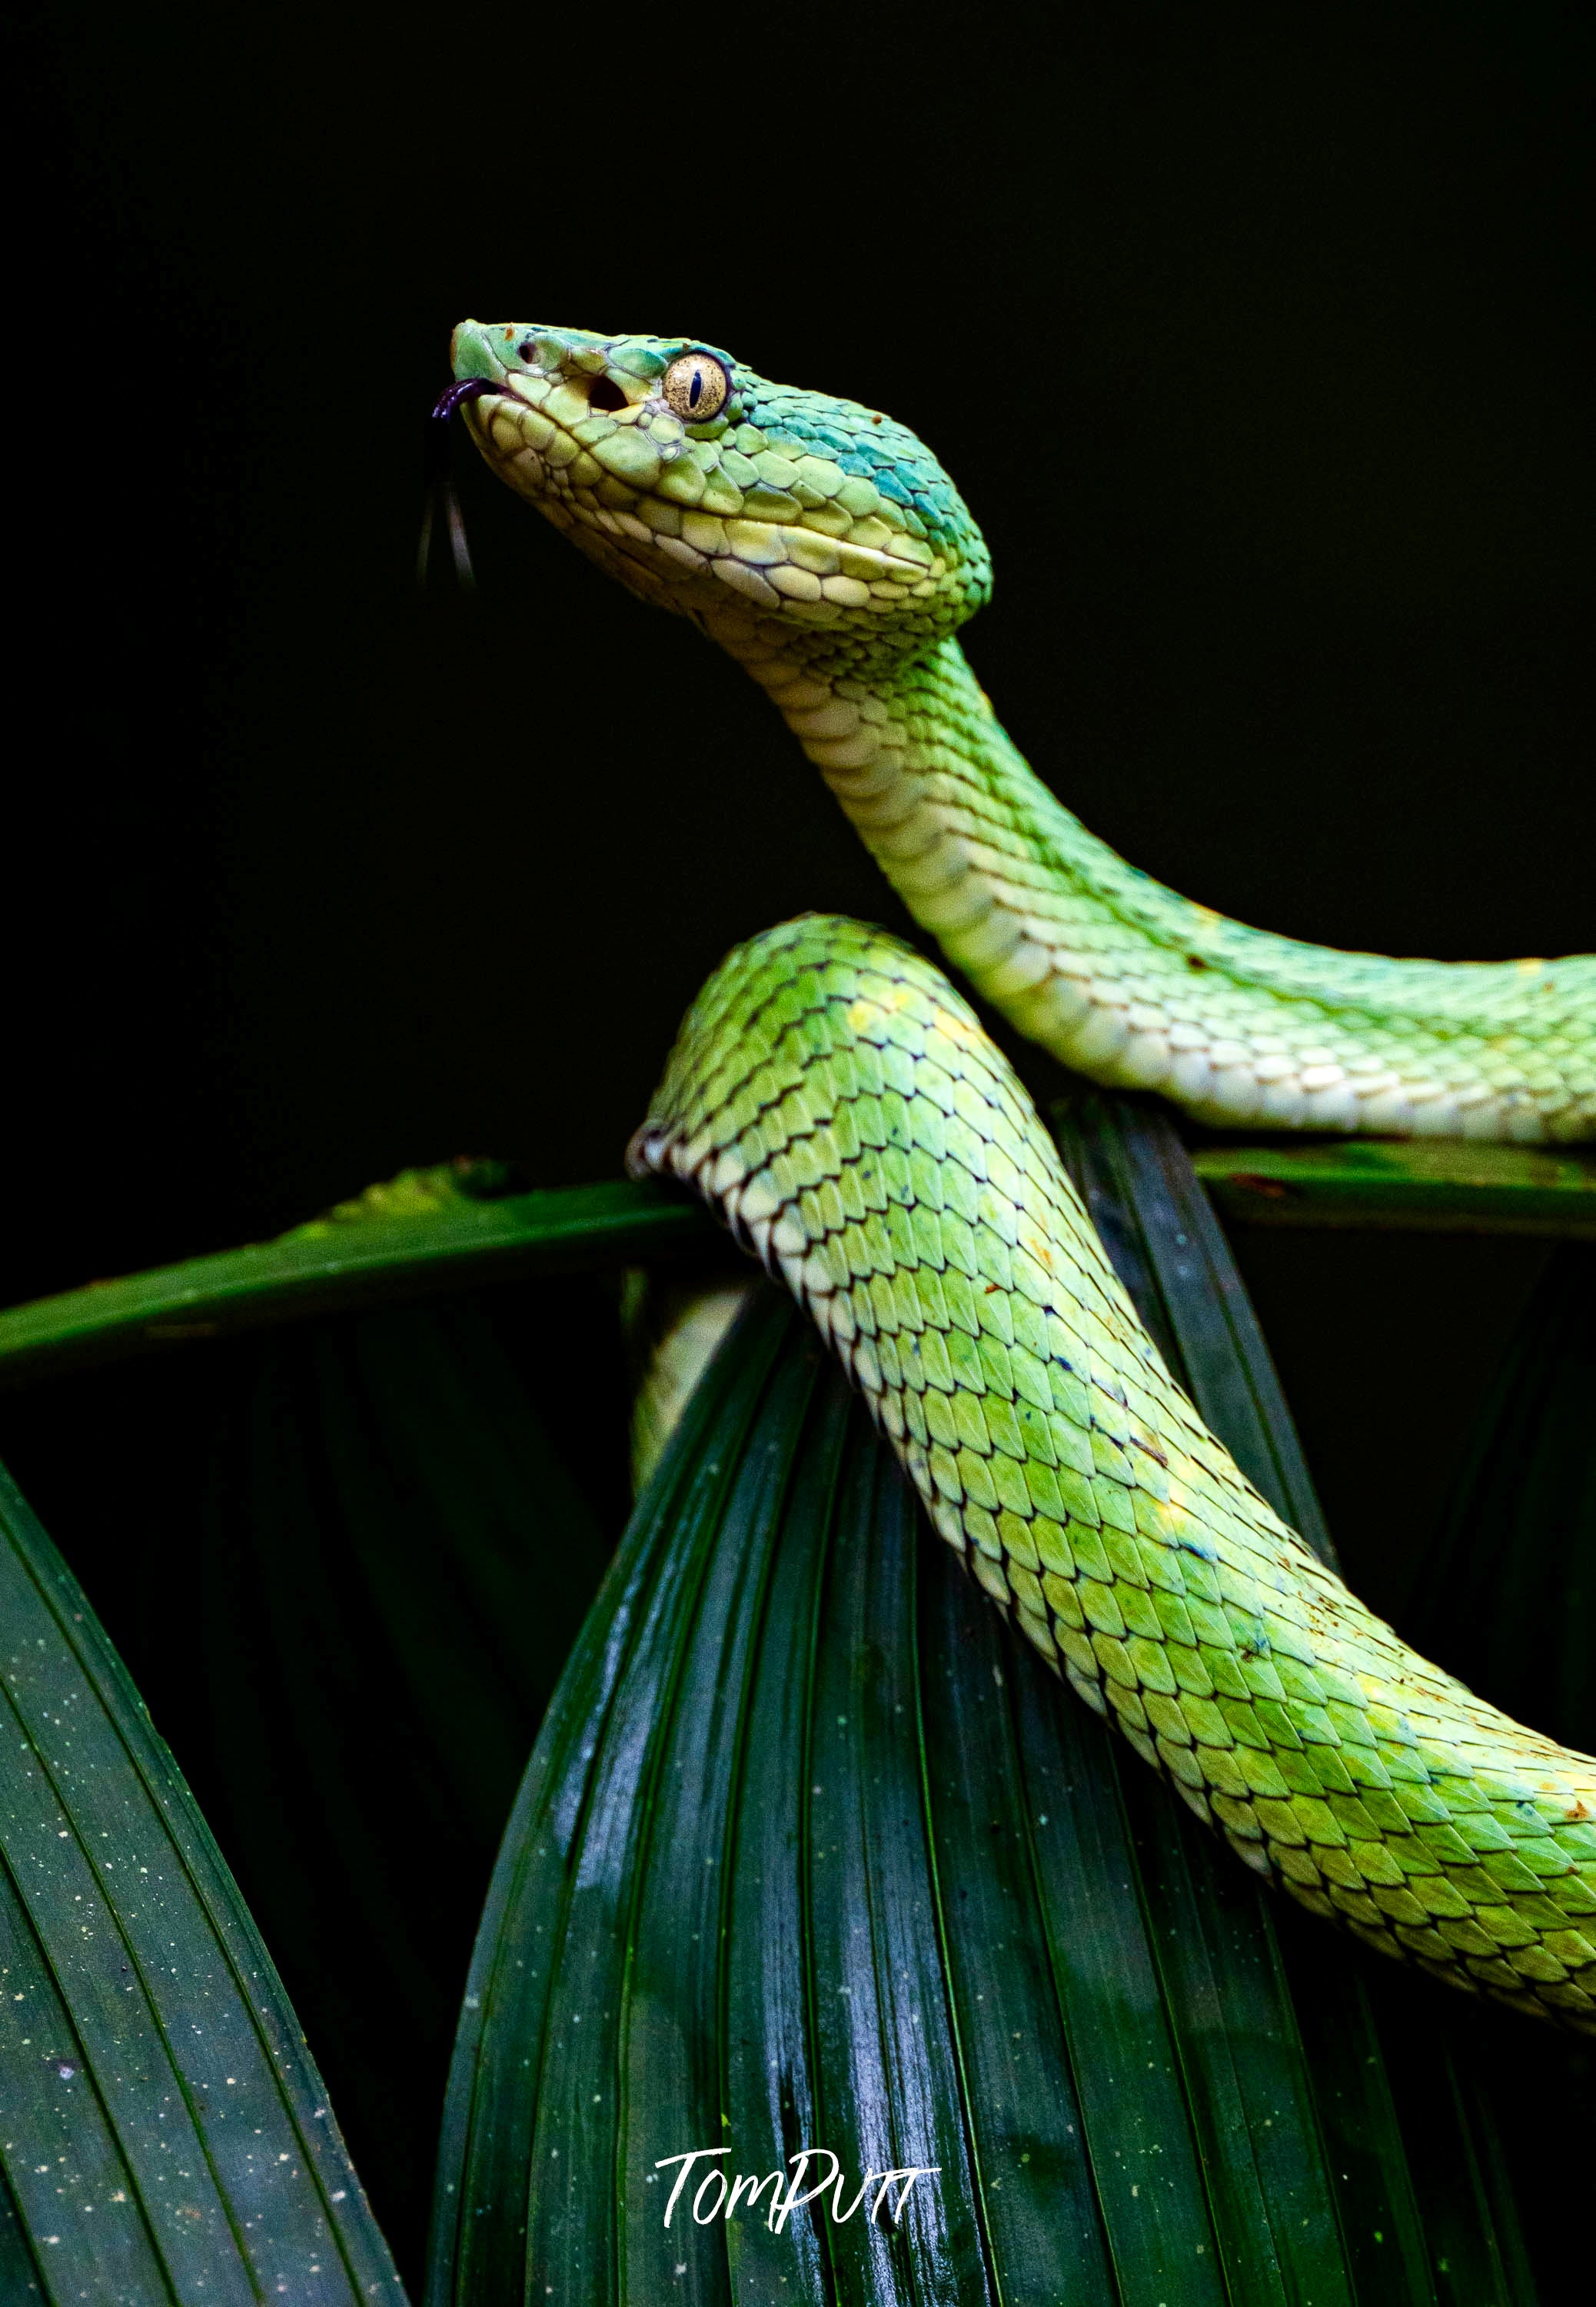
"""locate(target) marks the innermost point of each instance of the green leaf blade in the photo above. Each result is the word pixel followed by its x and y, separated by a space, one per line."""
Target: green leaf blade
pixel 1507 1596
pixel 431 1242
pixel 956 1926
pixel 767 2030
pixel 1014 1931
pixel 192 2114
pixel 670 2045
pixel 1137 2124
pixel 887 2083
pixel 1415 1184
pixel 552 1927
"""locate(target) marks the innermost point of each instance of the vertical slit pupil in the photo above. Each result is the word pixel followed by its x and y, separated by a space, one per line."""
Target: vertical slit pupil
pixel 695 390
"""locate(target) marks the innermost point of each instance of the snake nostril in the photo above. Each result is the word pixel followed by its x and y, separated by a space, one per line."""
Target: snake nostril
pixel 606 396
pixel 526 349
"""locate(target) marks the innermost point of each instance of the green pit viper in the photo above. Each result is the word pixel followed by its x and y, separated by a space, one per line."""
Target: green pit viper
pixel 840 1106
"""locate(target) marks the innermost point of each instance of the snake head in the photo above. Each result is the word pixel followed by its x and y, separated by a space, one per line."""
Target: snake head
pixel 771 515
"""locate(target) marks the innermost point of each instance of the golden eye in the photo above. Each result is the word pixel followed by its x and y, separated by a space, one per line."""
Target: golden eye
pixel 696 387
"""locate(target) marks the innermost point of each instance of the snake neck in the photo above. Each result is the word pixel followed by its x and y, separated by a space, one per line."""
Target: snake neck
pixel 1138 987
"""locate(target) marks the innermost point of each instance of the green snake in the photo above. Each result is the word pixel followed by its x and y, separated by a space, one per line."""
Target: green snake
pixel 840 1106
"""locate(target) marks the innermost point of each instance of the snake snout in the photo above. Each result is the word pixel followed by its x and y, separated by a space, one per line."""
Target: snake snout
pixel 471 354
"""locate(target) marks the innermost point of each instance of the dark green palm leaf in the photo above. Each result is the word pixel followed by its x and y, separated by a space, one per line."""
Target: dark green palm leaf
pixel 1508 1594
pixel 423 1233
pixel 939 1922
pixel 1507 1597
pixel 396 1559
pixel 810 1854
pixel 370 1562
pixel 164 2135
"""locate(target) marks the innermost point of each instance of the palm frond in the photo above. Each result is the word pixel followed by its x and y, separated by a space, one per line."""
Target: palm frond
pixel 809 1852
pixel 164 2133
pixel 810 1855
pixel 423 1233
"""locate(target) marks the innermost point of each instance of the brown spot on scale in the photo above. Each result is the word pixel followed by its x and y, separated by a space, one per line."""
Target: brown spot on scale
pixel 1271 1188
pixel 1196 961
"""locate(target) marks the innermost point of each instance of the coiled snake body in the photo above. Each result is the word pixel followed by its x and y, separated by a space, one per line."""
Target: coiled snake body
pixel 841 1105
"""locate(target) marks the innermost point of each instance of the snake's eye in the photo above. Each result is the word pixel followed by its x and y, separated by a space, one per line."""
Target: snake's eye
pixel 696 387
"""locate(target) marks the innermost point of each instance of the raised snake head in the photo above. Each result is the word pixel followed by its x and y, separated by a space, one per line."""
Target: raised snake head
pixel 769 515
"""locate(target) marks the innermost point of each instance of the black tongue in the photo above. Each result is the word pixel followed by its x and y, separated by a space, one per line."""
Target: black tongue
pixel 464 388
pixel 441 505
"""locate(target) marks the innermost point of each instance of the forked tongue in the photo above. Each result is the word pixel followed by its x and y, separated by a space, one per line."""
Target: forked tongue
pixel 441 503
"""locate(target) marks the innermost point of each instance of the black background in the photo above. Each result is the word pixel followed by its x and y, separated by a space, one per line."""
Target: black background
pixel 1259 349
pixel 1258 343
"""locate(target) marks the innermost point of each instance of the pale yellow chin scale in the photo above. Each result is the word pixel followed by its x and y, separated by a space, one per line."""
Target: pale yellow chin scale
pixel 1042 919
